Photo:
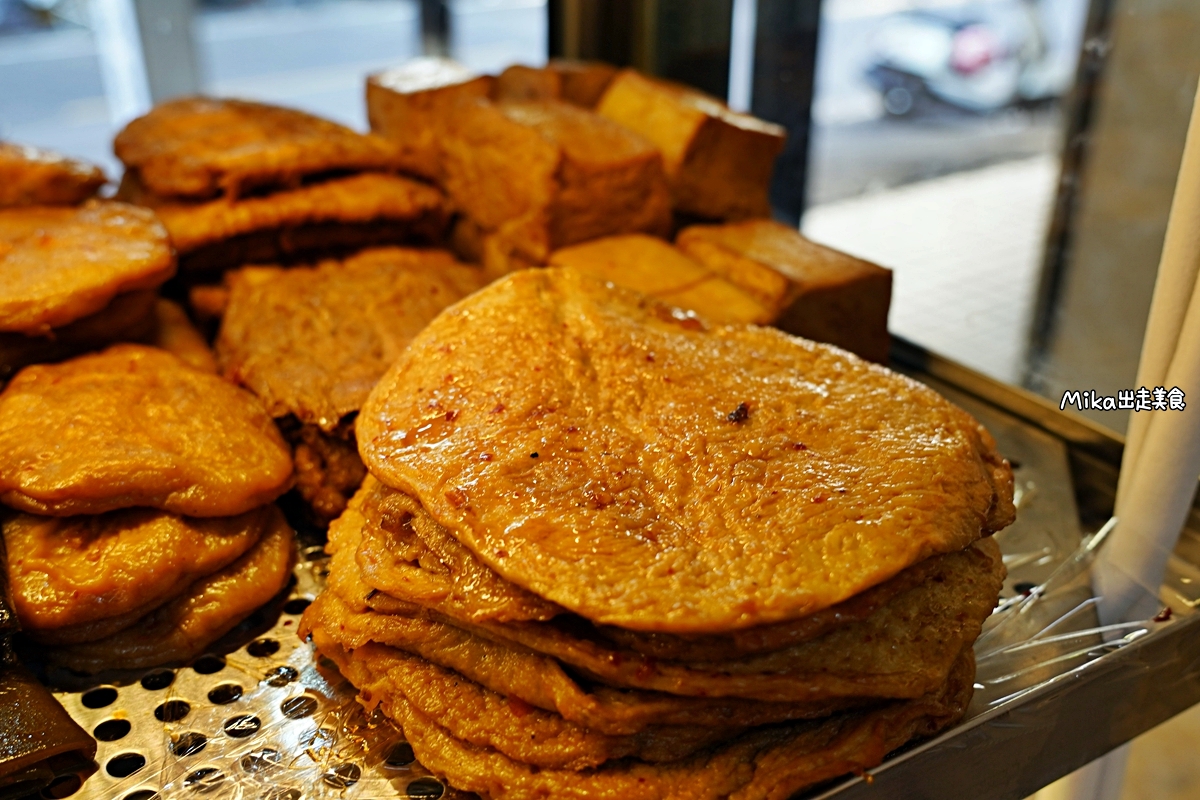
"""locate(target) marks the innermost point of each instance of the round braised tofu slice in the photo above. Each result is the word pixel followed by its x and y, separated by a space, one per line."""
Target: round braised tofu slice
pixel 772 762
pixel 58 265
pixel 539 680
pixel 487 719
pixel 642 470
pixel 312 341
pixel 200 147
pixel 211 607
pixel 31 176
pixel 79 578
pixel 136 426
pixel 902 650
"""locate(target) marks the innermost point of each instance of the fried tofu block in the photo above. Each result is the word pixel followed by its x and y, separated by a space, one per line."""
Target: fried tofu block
pixel 519 82
pixel 30 176
pixel 719 162
pixel 814 291
pixel 546 175
pixel 321 219
pixel 652 266
pixel 201 147
pixel 407 106
pixel 581 83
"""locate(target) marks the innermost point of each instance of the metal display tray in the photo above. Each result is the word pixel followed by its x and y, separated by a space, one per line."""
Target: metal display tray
pixel 1082 698
pixel 263 721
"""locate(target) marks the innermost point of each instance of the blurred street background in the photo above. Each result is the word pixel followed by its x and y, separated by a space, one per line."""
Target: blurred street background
pixel 314 53
pixel 937 124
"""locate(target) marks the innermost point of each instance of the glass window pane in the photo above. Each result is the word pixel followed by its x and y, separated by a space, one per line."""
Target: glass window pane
pixel 937 127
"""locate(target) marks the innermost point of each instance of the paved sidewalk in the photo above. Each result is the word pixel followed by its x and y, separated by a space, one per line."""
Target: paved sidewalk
pixel 966 250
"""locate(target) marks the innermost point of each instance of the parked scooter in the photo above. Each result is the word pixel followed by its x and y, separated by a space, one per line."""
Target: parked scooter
pixel 981 58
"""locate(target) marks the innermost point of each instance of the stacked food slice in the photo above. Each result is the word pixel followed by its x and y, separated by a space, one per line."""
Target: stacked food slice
pixel 310 343
pixel 609 550
pixel 31 176
pixel 145 529
pixel 237 182
pixel 75 273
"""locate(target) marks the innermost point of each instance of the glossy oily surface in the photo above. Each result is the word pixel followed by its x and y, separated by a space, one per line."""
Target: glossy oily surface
pixel 200 147
pixel 136 426
pixel 69 571
pixel 402 552
pixel 312 341
pixel 30 176
pixel 60 264
pixel 209 609
pixel 642 471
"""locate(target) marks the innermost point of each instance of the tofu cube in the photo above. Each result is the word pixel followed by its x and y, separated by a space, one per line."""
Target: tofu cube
pixel 719 162
pixel 578 82
pixel 653 267
pixel 408 105
pixel 543 175
pixel 813 291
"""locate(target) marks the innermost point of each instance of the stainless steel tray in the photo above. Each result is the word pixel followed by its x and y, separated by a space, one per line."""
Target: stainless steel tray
pixel 264 721
pixel 1070 700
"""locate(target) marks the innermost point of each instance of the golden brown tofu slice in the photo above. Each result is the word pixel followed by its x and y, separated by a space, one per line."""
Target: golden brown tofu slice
pixel 815 291
pixel 731 443
pixel 408 105
pixel 58 265
pixel 69 573
pixel 545 175
pixel 312 341
pixel 208 609
pixel 134 426
pixel 719 161
pixel 581 83
pixel 652 266
pixel 317 220
pixel 30 176
pixel 201 147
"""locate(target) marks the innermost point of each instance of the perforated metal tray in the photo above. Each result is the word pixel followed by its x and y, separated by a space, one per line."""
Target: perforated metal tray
pixel 263 722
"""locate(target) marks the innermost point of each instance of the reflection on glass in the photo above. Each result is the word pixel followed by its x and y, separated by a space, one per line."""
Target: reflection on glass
pixel 936 136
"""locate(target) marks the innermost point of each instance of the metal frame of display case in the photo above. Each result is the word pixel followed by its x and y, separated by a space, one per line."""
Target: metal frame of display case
pixel 1020 745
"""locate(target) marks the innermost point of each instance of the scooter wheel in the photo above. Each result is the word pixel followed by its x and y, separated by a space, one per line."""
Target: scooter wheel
pixel 897 101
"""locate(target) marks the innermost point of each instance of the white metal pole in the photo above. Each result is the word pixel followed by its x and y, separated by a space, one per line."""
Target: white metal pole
pixel 122 63
pixel 743 31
